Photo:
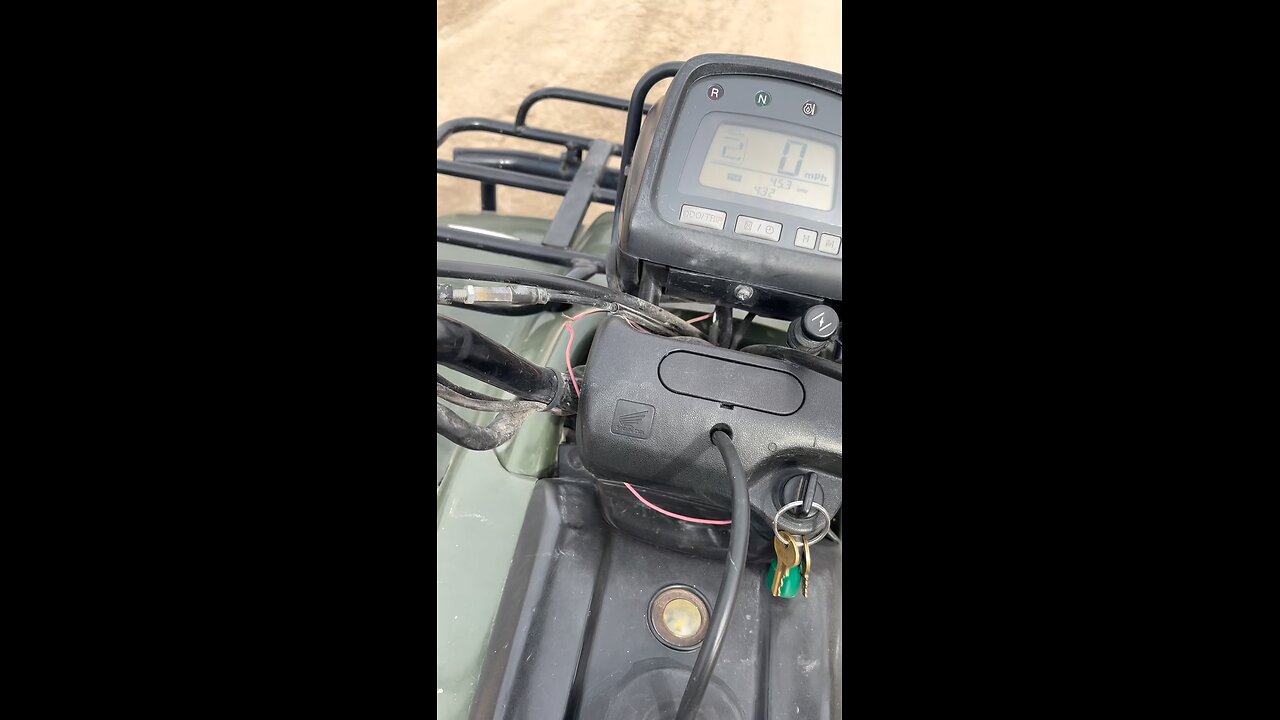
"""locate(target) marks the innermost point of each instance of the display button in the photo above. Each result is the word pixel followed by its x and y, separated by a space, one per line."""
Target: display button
pixel 830 244
pixel 702 217
pixel 806 238
pixel 757 228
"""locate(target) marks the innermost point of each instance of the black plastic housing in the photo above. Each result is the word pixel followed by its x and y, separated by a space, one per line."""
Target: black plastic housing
pixel 571 638
pixel 644 235
pixel 650 402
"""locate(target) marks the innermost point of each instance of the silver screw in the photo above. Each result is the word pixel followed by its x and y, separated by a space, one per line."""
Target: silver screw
pixel 743 293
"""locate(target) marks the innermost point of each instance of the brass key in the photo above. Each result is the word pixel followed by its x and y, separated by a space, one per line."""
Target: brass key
pixel 782 550
pixel 788 557
pixel 807 564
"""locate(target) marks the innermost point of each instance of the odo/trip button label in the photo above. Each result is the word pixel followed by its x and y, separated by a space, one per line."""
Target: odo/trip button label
pixel 702 217
pixel 757 228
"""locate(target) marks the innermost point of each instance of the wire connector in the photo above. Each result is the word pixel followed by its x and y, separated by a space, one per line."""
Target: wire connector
pixel 505 294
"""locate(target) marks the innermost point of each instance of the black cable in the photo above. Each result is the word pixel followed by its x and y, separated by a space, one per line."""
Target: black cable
pixel 582 272
pixel 493 406
pixel 460 347
pixel 740 330
pixel 640 319
pixel 567 289
pixel 724 325
pixel 513 311
pixel 739 533
pixel 578 272
pixel 636 109
pixel 816 364
pixel 559 302
pixel 517 248
pixel 473 437
pixel 442 380
pixel 498 273
pixel 629 139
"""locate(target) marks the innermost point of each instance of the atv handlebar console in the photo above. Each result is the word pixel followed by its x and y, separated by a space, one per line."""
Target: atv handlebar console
pixel 649 401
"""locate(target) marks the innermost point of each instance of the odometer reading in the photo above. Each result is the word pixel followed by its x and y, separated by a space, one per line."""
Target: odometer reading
pixel 771 165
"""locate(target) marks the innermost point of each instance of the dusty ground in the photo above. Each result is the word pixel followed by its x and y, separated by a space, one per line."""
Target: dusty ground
pixel 491 53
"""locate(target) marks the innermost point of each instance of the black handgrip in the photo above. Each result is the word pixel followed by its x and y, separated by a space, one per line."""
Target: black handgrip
pixel 460 347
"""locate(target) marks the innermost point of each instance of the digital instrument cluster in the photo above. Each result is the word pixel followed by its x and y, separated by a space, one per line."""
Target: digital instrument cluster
pixel 737 175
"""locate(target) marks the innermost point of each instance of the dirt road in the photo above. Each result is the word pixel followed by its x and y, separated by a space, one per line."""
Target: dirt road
pixel 491 53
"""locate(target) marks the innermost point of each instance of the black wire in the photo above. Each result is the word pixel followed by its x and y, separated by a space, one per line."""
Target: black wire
pixel 442 380
pixel 739 533
pixel 578 272
pixel 462 348
pixel 560 302
pixel 817 364
pixel 513 311
pixel 562 284
pixel 634 110
pixel 493 406
pixel 582 272
pixel 474 437
pixel 740 331
pixel 629 139
pixel 724 326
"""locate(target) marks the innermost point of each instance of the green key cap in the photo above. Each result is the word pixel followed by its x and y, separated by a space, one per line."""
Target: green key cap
pixel 790 583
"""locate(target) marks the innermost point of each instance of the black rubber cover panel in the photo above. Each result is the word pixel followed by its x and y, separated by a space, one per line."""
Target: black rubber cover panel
pixel 647 421
pixel 732 382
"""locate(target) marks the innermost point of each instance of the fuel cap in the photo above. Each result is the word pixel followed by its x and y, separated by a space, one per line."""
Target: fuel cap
pixel 678 617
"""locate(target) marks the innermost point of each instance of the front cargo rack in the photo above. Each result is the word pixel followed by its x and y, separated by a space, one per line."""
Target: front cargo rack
pixel 579 173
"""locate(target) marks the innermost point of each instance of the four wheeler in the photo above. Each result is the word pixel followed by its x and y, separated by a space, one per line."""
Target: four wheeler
pixel 639 433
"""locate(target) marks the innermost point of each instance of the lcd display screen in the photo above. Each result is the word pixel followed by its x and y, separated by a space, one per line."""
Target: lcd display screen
pixel 771 165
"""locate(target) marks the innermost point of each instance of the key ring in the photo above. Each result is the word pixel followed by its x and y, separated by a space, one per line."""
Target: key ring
pixel 796 503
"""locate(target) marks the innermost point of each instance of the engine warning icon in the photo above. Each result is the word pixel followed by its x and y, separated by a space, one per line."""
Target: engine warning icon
pixel 810 108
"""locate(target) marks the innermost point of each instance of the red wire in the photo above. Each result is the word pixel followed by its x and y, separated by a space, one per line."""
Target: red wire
pixel 668 513
pixel 569 363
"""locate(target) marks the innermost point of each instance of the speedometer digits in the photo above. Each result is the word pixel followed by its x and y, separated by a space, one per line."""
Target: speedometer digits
pixel 772 165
